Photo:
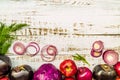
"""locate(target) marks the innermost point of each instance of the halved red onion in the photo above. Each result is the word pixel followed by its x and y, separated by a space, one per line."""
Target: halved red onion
pixel 110 57
pixel 32 46
pixel 19 48
pixel 95 54
pixel 98 46
pixel 48 53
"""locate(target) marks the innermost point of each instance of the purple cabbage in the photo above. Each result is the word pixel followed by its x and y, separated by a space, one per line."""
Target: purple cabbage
pixel 47 72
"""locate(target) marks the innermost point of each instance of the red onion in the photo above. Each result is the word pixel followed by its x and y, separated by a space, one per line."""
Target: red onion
pixel 33 45
pixel 98 46
pixel 48 53
pixel 84 74
pixel 19 48
pixel 96 54
pixel 97 49
pixel 110 57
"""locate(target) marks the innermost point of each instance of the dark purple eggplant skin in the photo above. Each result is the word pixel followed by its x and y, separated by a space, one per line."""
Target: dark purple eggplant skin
pixel 5 69
pixel 101 74
pixel 28 76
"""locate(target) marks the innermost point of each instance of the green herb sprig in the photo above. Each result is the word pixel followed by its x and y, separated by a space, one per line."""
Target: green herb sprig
pixel 6 38
pixel 80 58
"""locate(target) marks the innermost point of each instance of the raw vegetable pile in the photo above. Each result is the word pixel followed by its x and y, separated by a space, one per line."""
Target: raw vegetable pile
pixel 67 70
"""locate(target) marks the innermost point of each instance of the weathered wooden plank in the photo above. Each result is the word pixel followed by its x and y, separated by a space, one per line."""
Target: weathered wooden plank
pixel 71 25
pixel 68 24
pixel 97 7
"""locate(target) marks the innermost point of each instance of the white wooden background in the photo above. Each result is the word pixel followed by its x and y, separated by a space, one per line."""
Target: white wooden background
pixel 71 25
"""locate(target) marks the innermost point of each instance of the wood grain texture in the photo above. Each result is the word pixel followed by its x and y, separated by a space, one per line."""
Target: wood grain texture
pixel 71 25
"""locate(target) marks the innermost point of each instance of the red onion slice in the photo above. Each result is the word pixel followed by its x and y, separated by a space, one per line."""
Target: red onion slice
pixel 51 50
pixel 19 48
pixel 32 45
pixel 95 54
pixel 36 45
pixel 110 57
pixel 48 53
pixel 98 46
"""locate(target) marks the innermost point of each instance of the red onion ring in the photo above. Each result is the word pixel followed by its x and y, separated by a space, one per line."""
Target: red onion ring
pixel 98 46
pixel 34 45
pixel 95 54
pixel 48 53
pixel 20 46
pixel 110 57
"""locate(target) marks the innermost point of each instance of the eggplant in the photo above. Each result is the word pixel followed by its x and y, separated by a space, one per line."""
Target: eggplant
pixel 5 65
pixel 104 72
pixel 23 72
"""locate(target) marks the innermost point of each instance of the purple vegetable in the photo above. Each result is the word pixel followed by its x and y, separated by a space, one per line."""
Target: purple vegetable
pixel 98 46
pixel 97 49
pixel 110 57
pixel 47 72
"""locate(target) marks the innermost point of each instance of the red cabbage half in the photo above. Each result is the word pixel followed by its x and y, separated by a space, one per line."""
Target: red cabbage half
pixel 47 72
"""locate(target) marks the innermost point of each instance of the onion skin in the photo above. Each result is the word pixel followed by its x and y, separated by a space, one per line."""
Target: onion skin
pixel 117 68
pixel 104 72
pixel 47 72
pixel 99 47
pixel 110 57
pixel 84 74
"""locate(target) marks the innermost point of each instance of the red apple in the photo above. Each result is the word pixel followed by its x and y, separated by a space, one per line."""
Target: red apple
pixel 84 74
pixel 117 68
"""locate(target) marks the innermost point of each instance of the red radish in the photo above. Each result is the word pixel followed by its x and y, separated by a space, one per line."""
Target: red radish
pixel 98 46
pixel 84 74
pixel 117 68
pixel 110 57
pixel 19 48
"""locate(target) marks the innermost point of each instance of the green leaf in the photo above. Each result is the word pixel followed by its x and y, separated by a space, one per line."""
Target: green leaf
pixel 11 26
pixel 1 27
pixel 17 27
pixel 80 58
pixel 5 47
pixel 6 38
